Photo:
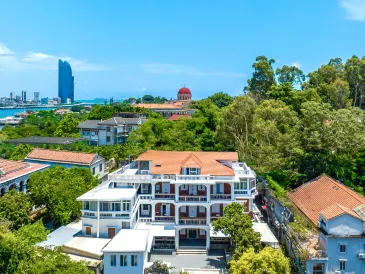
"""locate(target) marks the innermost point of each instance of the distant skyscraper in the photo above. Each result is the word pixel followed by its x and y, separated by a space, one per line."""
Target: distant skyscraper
pixel 65 82
pixel 24 96
pixel 36 96
pixel 12 95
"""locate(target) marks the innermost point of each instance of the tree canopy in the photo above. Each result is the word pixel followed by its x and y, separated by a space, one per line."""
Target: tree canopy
pixel 57 188
pixel 267 261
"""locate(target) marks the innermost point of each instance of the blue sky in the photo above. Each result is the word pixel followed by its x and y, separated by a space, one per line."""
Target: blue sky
pixel 130 48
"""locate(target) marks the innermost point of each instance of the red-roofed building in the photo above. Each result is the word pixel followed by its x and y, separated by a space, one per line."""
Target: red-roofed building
pixel 175 117
pixel 68 159
pixel 185 190
pixel 15 175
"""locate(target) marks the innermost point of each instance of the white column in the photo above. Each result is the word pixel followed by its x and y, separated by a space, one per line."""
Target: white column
pixel 153 186
pixel 207 234
pixel 176 238
pixel 153 209
pixel 97 219
pixel 232 192
pixel 208 193
pixel 177 215
pixel 208 214
pixel 177 187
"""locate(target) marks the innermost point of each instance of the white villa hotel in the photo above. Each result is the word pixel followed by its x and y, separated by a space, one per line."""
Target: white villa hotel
pixel 166 200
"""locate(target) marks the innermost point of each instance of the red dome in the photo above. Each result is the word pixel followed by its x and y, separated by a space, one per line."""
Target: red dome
pixel 184 90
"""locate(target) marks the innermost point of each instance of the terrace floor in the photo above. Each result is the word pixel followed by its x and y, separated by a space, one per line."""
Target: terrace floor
pixel 214 260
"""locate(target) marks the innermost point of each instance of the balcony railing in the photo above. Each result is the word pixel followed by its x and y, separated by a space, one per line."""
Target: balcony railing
pixel 163 177
pixel 114 214
pixel 241 191
pixel 194 177
pixel 145 196
pixel 165 196
pixel 164 218
pixel 192 198
pixel 88 213
pixel 220 197
pixel 145 220
pixel 194 221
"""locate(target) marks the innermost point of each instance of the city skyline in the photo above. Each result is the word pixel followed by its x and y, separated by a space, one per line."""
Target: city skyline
pixel 155 48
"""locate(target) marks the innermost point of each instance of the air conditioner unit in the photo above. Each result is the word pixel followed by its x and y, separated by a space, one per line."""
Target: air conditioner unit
pixel 361 255
pixel 337 272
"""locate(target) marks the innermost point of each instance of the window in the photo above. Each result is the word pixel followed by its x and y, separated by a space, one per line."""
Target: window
pixel 343 248
pixel 89 205
pixel 113 260
pixel 145 207
pixel 183 209
pixel 193 171
pixel 107 206
pixel 123 260
pixel 101 167
pixel 342 265
pixel 318 269
pixel 201 187
pixel 88 230
pixel 108 138
pixel 108 129
pixel 241 185
pixel 184 187
pixel 85 133
pixel 125 225
pixel 93 170
pixel 201 209
pixel 126 205
pixel 202 232
pixel 134 260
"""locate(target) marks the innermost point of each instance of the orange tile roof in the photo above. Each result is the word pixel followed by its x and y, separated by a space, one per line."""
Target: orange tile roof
pixel 170 162
pixel 175 117
pixel 158 106
pixel 61 156
pixel 336 210
pixel 14 169
pixel 317 195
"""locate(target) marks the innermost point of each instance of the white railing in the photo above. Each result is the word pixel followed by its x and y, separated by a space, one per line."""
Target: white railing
pixel 165 196
pixel 113 214
pixel 220 197
pixel 163 177
pixel 192 198
pixel 145 196
pixel 88 213
pixel 192 221
pixel 130 178
pixel 241 191
pixel 145 220
pixel 135 207
pixel 165 218
pixel 194 177
pixel 248 172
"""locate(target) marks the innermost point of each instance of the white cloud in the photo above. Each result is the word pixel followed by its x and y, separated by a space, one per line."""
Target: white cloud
pixel 4 50
pixel 296 64
pixel 41 61
pixel 163 68
pixel 355 9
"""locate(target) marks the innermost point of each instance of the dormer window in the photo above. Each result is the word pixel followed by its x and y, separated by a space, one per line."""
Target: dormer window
pixel 193 171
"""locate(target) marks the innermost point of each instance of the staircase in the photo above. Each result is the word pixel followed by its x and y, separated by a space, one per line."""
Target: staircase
pixel 191 250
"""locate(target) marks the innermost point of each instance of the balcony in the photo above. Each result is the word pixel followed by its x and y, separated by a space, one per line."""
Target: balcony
pixel 163 177
pixel 88 213
pixel 145 196
pixel 165 219
pixel 105 214
pixel 221 197
pixel 193 221
pixel 164 196
pixel 200 179
pixel 193 198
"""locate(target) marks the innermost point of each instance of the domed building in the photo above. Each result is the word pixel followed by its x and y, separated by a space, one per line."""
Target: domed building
pixel 184 94
pixel 175 107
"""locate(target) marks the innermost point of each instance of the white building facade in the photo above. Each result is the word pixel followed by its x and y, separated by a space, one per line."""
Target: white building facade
pixel 183 191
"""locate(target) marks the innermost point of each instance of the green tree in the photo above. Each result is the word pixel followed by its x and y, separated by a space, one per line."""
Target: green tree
pixel 20 152
pixel 327 74
pixel 262 78
pixel 337 93
pixel 57 188
pixel 267 261
pixel 158 267
pixel 15 207
pixel 238 227
pixel 221 99
pixel 355 76
pixel 32 233
pixel 68 127
pixel 236 124
pixel 291 75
